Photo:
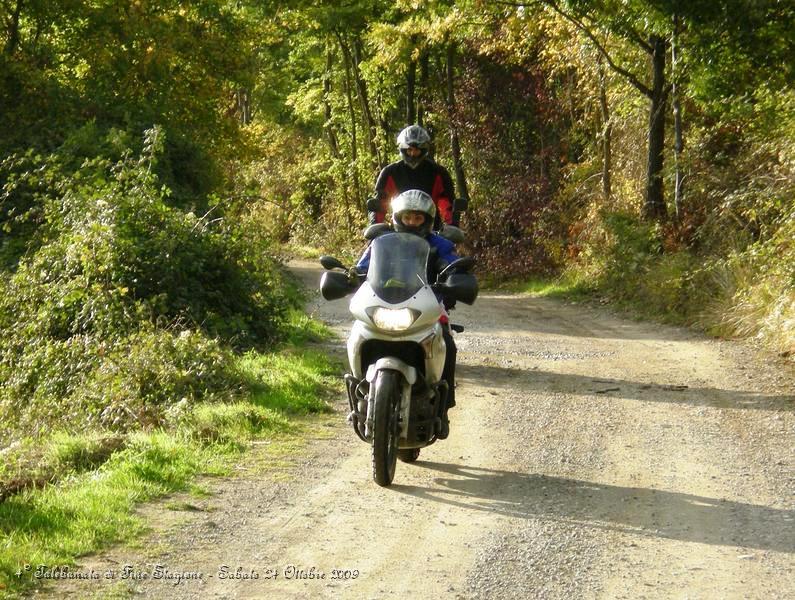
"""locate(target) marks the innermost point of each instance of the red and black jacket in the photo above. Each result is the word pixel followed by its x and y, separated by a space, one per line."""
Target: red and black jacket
pixel 431 178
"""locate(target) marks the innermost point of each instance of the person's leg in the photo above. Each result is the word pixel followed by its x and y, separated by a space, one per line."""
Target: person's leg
pixel 448 374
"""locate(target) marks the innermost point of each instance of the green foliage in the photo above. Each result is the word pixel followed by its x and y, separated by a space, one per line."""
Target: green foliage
pixel 122 304
pixel 631 244
pixel 84 512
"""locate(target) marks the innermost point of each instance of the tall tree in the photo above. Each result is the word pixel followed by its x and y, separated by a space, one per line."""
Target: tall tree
pixel 679 143
pixel 606 134
pixel 455 144
pixel 597 18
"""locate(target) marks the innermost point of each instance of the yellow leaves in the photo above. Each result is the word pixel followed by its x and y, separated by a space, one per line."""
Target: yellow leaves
pixel 427 25
pixel 444 27
pixel 413 5
pixel 390 44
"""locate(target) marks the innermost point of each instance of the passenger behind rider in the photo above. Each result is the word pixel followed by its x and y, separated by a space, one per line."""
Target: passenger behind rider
pixel 415 170
pixel 414 211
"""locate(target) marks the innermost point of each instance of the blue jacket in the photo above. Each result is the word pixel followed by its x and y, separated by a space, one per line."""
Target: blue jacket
pixel 445 250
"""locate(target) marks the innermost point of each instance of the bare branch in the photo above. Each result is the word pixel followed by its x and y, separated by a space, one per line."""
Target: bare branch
pixel 633 34
pixel 577 21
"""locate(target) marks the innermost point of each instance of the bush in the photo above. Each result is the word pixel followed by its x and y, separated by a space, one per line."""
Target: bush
pixel 122 305
pixel 623 258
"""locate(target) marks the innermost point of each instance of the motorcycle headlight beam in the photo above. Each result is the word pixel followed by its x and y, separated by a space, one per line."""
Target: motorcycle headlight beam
pixel 391 319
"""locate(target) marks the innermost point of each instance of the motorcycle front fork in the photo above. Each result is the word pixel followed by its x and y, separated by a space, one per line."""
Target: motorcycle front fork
pixel 360 404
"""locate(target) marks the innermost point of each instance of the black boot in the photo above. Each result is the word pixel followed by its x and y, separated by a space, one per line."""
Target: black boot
pixel 444 430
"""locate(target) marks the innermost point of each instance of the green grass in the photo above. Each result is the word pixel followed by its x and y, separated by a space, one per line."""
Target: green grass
pixel 287 381
pixel 301 328
pixel 302 251
pixel 92 503
pixel 348 252
pixel 53 525
pixel 565 286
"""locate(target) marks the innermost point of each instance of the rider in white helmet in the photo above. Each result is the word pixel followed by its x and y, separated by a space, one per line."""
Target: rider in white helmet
pixel 414 211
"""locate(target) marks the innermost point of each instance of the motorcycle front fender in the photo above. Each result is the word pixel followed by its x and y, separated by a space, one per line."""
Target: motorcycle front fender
pixel 409 374
pixel 393 364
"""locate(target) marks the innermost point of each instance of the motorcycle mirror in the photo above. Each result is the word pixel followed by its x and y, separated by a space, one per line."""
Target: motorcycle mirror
pixel 462 286
pixel 373 231
pixel 329 263
pixel 452 233
pixel 464 263
pixel 335 285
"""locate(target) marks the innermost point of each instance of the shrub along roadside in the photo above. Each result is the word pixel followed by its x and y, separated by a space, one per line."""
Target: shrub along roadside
pixel 91 505
pixel 135 341
pixel 750 293
pixel 119 304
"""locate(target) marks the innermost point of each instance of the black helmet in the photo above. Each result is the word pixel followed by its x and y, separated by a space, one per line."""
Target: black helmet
pixel 413 136
pixel 413 201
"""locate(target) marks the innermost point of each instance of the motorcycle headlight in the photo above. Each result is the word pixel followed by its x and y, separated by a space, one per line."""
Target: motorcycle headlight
pixel 392 319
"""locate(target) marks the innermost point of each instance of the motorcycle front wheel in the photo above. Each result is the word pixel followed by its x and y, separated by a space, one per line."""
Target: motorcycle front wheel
pixel 385 427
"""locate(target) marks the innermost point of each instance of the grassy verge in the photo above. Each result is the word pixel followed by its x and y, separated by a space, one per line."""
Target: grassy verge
pixel 564 286
pixel 725 299
pixel 88 486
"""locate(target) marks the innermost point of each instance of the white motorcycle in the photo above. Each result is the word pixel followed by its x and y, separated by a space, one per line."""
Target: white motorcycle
pixel 396 349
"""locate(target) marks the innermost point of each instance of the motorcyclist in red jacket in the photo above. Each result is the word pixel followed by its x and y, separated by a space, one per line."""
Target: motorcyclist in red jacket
pixel 414 171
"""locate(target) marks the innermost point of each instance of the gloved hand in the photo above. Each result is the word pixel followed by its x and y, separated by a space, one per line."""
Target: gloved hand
pixel 354 277
pixel 439 265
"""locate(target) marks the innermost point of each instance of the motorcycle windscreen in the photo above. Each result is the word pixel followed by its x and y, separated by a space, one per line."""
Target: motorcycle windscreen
pixel 398 266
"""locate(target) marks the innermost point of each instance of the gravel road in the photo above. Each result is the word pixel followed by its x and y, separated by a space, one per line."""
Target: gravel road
pixel 589 457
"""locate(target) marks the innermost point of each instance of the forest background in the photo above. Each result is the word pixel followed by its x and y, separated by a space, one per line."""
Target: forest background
pixel 157 156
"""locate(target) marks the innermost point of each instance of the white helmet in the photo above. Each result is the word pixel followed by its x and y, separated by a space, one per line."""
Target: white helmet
pixel 417 137
pixel 416 201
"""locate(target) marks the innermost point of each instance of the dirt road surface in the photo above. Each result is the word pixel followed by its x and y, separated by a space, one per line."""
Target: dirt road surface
pixel 590 457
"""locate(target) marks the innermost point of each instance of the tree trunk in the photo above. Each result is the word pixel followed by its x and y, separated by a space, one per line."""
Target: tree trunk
pixel 679 144
pixel 328 126
pixel 455 146
pixel 386 131
pixel 423 95
pixel 655 199
pixel 244 106
pixel 607 135
pixel 13 30
pixel 361 86
pixel 354 168
pixel 411 105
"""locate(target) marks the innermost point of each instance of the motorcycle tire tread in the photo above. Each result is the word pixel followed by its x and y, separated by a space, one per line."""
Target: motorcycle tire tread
pixel 385 428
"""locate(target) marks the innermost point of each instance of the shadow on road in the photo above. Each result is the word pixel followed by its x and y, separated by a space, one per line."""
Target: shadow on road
pixel 640 511
pixel 546 381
